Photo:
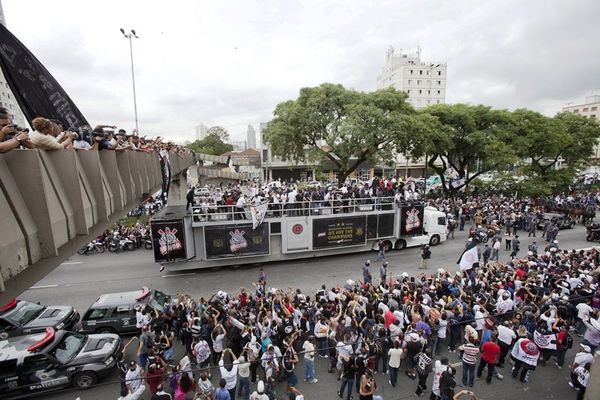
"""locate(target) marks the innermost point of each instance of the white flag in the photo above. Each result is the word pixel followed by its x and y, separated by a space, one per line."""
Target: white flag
pixel 545 341
pixel 468 258
pixel 258 214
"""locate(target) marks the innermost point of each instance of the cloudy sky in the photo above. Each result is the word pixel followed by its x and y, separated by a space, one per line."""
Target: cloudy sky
pixel 229 62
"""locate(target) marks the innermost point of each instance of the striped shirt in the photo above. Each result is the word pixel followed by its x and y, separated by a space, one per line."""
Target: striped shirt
pixel 470 352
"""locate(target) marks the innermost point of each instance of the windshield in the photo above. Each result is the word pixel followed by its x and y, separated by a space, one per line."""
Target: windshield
pixel 27 312
pixel 159 299
pixel 68 347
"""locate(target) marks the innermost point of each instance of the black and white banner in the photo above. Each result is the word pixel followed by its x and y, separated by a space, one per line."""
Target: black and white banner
pixel 35 89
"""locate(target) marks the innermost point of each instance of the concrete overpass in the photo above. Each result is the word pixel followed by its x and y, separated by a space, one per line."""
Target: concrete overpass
pixel 53 202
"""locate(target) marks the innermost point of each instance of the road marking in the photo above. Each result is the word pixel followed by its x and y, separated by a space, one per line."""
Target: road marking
pixel 175 275
pixel 43 286
pixel 72 263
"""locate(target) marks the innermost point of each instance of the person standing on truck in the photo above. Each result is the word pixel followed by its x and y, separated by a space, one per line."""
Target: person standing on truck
pixel 425 256
pixel 366 270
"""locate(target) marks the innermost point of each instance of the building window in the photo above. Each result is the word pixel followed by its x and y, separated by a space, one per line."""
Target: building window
pixel 335 175
pixel 594 108
pixel 438 101
pixel 418 82
pixel 408 91
pixel 428 101
pixel 411 71
pixel 576 110
pixel 420 91
pixel 592 116
pixel 421 72
pixel 427 72
pixel 439 73
pixel 364 174
pixel 409 81
pixel 429 92
pixel 265 154
pixel 439 91
pixel 585 109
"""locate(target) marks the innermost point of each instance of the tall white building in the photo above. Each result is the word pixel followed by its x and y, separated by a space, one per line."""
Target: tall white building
pixel 424 82
pixel 7 99
pixel 251 137
pixel 200 131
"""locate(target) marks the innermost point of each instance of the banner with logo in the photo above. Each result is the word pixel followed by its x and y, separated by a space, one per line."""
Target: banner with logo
pixel 411 222
pixel 526 351
pixel 168 240
pixel 545 341
pixel 339 232
pixel 236 240
pixel 258 214
pixel 35 89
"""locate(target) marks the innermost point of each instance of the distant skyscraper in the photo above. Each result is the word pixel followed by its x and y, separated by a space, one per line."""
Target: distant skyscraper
pixel 200 131
pixel 251 137
pixel 7 98
pixel 424 82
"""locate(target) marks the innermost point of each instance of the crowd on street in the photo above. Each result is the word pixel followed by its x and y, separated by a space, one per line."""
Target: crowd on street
pixel 444 333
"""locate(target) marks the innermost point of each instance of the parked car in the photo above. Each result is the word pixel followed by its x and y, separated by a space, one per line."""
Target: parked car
pixel 115 312
pixel 52 360
pixel 202 192
pixel 20 317
pixel 563 221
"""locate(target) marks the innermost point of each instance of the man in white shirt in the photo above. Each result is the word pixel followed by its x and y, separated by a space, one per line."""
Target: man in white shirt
pixel 308 348
pixel 229 372
pixel 506 336
pixel 583 314
pixel 239 206
pixel 133 377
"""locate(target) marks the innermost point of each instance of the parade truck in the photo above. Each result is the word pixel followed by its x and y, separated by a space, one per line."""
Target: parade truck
pixel 223 236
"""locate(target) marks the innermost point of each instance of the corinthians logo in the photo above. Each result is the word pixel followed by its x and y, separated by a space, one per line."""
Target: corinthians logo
pixel 412 220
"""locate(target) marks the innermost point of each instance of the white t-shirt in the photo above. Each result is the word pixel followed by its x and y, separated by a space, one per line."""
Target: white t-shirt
pixel 309 351
pixel 135 395
pixel 133 378
pixel 442 329
pixel 344 350
pixel 229 376
pixel 395 357
pixel 505 334
pixel 243 368
pixel 583 311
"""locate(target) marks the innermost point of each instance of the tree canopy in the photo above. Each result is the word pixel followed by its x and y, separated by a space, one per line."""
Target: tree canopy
pixel 330 123
pixel 211 144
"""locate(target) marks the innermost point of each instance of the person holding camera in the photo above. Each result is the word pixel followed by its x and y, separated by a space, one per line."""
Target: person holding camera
pixel 11 136
pixel 367 386
pixel 44 136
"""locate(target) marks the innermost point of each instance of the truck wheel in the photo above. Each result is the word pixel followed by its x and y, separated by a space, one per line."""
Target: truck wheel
pixel 435 240
pixel 400 244
pixel 85 380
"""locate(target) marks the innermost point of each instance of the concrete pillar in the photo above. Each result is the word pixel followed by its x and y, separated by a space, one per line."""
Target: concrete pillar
pixel 178 190
pixel 100 185
pixel 77 187
pixel 108 159
pixel 125 171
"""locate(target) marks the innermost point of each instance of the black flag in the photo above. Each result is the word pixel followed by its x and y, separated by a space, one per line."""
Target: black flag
pixel 36 91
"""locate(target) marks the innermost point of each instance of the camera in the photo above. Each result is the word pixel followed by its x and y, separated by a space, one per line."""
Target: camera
pixel 19 128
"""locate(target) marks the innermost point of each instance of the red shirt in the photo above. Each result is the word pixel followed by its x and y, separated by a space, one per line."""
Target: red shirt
pixel 389 318
pixel 490 352
pixel 154 379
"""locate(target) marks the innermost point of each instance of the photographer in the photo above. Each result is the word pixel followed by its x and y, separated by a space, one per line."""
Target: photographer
pixel 11 136
pixel 44 136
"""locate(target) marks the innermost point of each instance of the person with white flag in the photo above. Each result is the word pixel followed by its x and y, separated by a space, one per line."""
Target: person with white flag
pixel 469 257
pixel 258 213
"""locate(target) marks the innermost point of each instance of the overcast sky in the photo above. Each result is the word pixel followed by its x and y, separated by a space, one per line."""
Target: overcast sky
pixel 229 62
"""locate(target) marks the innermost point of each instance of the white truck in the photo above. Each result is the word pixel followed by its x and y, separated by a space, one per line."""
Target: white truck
pixel 225 236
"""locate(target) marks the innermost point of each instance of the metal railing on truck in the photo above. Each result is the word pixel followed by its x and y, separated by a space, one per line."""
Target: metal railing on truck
pixel 216 212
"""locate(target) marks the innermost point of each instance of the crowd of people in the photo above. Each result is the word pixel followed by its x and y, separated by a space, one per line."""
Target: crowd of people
pixel 495 319
pixel 50 134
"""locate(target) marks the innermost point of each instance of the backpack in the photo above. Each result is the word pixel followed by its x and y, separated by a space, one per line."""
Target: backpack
pixel 569 341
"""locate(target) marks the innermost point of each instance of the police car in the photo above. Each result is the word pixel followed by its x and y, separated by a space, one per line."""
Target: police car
pixel 19 317
pixel 116 312
pixel 54 359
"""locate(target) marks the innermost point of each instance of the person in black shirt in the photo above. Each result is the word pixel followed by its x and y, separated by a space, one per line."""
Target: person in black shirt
pixel 447 384
pixel 348 372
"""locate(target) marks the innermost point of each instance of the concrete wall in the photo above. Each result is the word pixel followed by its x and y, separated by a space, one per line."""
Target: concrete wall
pixel 53 202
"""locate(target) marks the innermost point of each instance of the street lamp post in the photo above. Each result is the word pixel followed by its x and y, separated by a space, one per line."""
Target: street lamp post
pixel 132 35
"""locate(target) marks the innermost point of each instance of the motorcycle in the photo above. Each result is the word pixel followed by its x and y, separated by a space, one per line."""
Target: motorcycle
pixel 121 243
pixel 94 245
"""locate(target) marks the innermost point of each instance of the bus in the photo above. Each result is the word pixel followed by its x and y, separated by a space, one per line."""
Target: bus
pixel 219 236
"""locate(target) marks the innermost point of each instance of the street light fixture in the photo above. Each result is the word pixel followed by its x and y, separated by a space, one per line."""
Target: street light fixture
pixel 132 35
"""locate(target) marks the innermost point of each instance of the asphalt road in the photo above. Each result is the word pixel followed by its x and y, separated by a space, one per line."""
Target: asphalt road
pixel 81 279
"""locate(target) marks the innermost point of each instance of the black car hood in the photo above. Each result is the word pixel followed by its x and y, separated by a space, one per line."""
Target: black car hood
pixel 51 316
pixel 97 348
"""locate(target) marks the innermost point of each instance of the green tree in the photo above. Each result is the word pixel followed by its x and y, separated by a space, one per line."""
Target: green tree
pixel 470 140
pixel 342 126
pixel 218 131
pixel 211 144
pixel 542 142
